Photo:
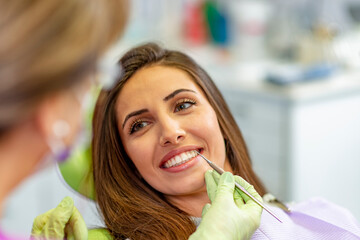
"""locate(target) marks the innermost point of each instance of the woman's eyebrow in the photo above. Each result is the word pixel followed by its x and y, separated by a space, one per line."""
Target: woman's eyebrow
pixel 173 94
pixel 132 114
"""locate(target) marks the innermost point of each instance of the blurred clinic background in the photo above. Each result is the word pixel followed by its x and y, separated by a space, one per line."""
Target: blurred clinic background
pixel 290 72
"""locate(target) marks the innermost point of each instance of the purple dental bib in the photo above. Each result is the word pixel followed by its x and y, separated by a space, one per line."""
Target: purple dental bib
pixel 313 219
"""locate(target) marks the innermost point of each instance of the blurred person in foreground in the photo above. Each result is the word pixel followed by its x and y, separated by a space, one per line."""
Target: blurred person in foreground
pixel 49 57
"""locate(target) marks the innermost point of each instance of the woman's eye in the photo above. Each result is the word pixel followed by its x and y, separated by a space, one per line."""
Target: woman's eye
pixel 138 125
pixel 185 104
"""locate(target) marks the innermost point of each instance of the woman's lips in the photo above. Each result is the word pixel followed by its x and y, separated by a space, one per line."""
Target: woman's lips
pixel 181 161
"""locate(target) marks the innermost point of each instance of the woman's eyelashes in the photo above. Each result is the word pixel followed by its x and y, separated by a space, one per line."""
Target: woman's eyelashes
pixel 181 105
pixel 184 104
pixel 137 125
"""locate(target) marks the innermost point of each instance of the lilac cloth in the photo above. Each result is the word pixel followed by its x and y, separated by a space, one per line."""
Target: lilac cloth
pixel 313 219
pixel 6 237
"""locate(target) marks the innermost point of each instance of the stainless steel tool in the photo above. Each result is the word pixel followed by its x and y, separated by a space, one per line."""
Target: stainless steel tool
pixel 221 171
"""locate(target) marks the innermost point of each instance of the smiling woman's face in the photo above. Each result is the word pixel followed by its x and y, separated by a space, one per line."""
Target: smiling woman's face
pixel 163 116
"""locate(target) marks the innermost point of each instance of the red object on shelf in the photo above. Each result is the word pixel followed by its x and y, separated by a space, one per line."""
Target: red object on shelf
pixel 194 23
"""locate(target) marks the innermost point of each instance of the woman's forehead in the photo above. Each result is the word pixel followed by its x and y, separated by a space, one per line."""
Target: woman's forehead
pixel 156 81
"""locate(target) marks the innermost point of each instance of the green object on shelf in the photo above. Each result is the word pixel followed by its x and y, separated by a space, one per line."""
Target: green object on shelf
pixel 217 22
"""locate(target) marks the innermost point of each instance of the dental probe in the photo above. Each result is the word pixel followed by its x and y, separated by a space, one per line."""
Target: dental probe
pixel 221 171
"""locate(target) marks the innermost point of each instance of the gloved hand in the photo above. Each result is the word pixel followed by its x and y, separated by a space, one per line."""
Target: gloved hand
pixel 231 214
pixel 99 234
pixel 63 221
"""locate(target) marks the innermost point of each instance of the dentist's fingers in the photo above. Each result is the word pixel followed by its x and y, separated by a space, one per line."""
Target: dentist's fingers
pixel 205 209
pixel 225 189
pixel 211 185
pixel 39 224
pixel 59 218
pixel 216 176
pixel 76 228
pixel 250 188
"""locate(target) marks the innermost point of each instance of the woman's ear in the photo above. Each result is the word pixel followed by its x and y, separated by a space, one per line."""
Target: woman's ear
pixel 46 114
pixel 58 116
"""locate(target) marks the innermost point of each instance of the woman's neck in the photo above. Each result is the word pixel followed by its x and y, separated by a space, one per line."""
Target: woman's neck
pixel 20 151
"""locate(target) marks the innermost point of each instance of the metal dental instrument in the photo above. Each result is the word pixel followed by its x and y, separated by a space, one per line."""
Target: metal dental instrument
pixel 221 171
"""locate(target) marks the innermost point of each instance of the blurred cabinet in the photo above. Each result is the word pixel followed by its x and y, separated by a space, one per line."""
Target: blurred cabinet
pixel 304 141
pixel 263 125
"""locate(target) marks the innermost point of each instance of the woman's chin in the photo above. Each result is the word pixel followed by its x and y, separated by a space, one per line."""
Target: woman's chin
pixel 188 189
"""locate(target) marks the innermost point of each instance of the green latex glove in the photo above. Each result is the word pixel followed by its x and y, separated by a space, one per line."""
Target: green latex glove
pixel 231 214
pixel 64 221
pixel 99 234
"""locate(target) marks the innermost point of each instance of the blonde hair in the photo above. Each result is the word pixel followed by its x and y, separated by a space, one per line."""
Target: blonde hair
pixel 47 46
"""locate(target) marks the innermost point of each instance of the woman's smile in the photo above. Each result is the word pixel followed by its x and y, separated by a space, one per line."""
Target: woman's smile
pixel 180 159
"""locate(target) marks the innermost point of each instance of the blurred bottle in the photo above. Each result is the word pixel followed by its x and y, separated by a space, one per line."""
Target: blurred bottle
pixel 284 31
pixel 194 22
pixel 316 46
pixel 216 13
pixel 155 20
pixel 249 26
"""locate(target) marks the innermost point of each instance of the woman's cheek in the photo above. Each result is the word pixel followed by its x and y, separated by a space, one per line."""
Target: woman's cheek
pixel 140 149
pixel 209 121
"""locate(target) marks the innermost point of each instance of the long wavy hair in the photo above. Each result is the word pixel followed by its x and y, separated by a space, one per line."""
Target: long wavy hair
pixel 130 206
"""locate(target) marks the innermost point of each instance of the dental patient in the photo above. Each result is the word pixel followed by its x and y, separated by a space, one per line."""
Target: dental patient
pixel 149 180
pixel 150 183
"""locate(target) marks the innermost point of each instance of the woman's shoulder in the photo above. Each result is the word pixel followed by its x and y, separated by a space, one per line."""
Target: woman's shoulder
pixel 324 209
pixel 316 218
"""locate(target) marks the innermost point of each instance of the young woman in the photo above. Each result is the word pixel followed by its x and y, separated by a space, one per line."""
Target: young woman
pixel 49 52
pixel 149 181
pixel 148 178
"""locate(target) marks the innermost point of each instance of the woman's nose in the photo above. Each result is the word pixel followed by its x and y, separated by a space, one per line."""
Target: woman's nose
pixel 171 132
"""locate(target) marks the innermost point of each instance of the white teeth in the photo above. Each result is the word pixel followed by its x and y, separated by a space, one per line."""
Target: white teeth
pixel 184 156
pixel 180 159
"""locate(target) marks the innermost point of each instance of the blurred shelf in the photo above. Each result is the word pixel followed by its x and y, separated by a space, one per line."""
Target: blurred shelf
pixel 337 85
pixel 303 139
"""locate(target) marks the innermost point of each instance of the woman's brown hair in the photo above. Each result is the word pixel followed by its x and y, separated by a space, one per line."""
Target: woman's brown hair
pixel 131 207
pixel 47 46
